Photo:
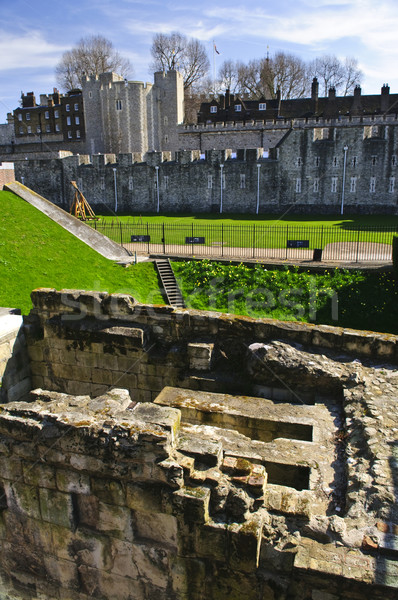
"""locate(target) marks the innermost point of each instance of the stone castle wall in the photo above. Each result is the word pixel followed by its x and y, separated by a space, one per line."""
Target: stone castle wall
pixel 317 167
pixel 7 174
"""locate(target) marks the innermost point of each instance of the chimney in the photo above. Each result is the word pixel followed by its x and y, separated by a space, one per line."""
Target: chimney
pixel 357 91
pixel 221 101
pixel 332 93
pixel 227 99
pixel 385 98
pixel 314 89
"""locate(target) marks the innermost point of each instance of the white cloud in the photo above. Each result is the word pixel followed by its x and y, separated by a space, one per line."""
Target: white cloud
pixel 28 50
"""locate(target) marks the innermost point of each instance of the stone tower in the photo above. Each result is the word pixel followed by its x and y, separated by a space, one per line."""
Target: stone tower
pixel 129 116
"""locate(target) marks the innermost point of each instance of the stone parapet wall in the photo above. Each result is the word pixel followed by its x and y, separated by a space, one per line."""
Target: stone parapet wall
pixel 7 174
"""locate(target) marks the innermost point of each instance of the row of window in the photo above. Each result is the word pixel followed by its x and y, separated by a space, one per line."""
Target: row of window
pixel 298 186
pixel 238 107
pixel 353 185
pixel 353 161
pixel 28 130
pixel 47 113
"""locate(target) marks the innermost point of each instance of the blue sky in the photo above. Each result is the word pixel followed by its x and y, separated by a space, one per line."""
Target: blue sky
pixel 34 34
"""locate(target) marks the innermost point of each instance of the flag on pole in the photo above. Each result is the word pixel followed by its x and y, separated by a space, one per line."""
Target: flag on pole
pixel 215 48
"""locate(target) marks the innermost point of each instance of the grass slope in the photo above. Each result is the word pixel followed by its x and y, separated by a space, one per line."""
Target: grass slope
pixel 36 252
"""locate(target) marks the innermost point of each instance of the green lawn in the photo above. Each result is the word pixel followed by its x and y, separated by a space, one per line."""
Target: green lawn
pixel 36 252
pixel 344 222
pixel 241 232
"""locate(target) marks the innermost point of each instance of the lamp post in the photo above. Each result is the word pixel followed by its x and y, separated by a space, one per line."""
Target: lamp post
pixel 344 169
pixel 258 188
pixel 115 184
pixel 157 188
pixel 221 176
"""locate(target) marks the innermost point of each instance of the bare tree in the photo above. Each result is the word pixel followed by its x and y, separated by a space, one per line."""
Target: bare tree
pixel 228 78
pixel 290 75
pixel 331 72
pixel 91 56
pixel 176 52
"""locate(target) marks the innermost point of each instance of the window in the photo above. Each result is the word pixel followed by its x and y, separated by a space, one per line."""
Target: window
pixel 213 109
pixel 56 114
pixel 299 162
pixel 223 181
pixel 90 94
pixel 370 131
pixel 131 183
pixel 209 181
pixel 166 182
pixel 242 181
pixel 69 135
pixel 29 129
pixel 38 129
pixel 262 106
pixel 335 161
pixel 76 107
pixel 28 116
pixel 393 160
pixel 118 105
pixel 68 121
pixel 78 133
pixel 333 188
pixel 102 183
pixel 238 107
pixel 316 185
pixel 20 117
pixel 372 185
pixel 21 130
pixel 391 185
pixel 298 185
pixel 57 128
pixel 67 107
pixel 317 161
pixel 354 161
pixel 353 185
pixel 77 120
pixel 166 139
pixel 46 114
pixel 165 121
pixel 374 160
pixel 48 128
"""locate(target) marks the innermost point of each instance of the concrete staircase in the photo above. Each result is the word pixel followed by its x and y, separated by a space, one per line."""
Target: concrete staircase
pixel 169 282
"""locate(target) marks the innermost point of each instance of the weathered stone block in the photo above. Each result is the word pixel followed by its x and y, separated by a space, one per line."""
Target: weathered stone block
pixel 158 527
pixel 39 475
pixel 56 507
pixel 192 504
pixel 108 491
pixel 24 498
pixel 70 481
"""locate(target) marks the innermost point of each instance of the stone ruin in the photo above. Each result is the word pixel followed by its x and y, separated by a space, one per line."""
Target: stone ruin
pixel 183 455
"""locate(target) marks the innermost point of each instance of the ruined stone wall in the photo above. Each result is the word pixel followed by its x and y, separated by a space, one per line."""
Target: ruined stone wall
pixel 84 342
pixel 303 172
pixel 186 492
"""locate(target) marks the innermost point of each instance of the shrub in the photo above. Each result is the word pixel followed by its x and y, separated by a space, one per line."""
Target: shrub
pixel 395 255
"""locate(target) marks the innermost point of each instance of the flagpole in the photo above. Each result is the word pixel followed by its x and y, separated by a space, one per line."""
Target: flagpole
pixel 214 68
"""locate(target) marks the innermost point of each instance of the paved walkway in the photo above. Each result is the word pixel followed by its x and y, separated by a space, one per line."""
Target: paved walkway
pixel 341 252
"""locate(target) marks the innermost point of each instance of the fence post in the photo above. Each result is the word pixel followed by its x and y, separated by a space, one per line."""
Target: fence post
pixel 164 239
pixel 147 232
pixel 121 234
pixel 222 239
pixel 359 232
pixel 254 240
pixel 192 241
pixel 287 237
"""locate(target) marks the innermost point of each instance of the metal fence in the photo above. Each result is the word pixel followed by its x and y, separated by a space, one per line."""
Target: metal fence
pixel 283 242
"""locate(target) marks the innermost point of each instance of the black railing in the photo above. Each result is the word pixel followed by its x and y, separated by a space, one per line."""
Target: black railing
pixel 283 242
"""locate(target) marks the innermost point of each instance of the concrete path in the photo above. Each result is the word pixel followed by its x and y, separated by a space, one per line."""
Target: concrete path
pixel 98 242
